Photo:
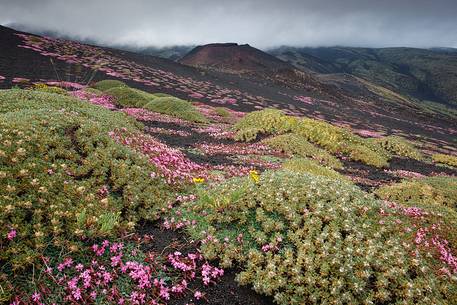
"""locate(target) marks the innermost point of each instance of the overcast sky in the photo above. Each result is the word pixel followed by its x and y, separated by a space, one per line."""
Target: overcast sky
pixel 261 23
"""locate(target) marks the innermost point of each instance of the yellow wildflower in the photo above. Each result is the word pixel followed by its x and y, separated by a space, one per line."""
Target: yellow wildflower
pixel 198 180
pixel 254 176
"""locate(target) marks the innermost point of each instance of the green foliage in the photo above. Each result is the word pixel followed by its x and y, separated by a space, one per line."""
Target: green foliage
pixel 127 97
pixel 93 91
pixel 176 107
pixel 64 179
pixel 296 145
pixel 267 121
pixel 440 190
pixel 160 94
pixel 16 100
pixel 340 140
pixel 399 146
pixel 48 89
pixel 302 165
pixel 107 84
pixel 445 159
pixel 311 240
pixel 223 112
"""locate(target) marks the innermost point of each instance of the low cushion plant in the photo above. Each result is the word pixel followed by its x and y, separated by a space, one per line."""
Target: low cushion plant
pixel 399 147
pixel 303 165
pixel 108 84
pixel 296 145
pixel 311 240
pixel 440 190
pixel 445 159
pixel 267 121
pixel 65 181
pixel 176 107
pixel 127 97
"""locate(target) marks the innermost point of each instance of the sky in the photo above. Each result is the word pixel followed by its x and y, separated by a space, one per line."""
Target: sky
pixel 261 23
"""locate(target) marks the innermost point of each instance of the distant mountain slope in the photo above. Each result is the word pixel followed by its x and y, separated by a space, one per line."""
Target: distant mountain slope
pixel 426 74
pixel 231 57
pixel 342 99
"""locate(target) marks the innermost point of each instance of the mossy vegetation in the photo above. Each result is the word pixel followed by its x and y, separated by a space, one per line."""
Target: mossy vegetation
pixel 127 97
pixel 400 147
pixel 176 107
pixel 445 159
pixel 107 84
pixel 268 121
pixel 296 145
pixel 303 165
pixel 440 190
pixel 333 139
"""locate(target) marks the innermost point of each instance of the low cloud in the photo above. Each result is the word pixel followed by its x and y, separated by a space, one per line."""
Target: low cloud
pixel 261 23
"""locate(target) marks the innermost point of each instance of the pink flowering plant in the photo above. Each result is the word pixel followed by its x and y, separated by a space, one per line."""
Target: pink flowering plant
pixel 120 273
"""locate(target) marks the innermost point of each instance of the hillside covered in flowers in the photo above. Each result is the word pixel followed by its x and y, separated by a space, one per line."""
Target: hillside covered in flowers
pixel 136 185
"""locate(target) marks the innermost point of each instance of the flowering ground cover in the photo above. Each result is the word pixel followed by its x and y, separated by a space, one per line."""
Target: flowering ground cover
pixel 118 205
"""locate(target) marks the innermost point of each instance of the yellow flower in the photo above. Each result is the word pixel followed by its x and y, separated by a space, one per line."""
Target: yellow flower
pixel 198 180
pixel 254 176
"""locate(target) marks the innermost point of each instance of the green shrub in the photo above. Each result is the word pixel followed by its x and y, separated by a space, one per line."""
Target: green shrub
pixel 367 156
pixel 296 145
pixel 445 159
pixel 341 140
pixel 176 107
pixel 93 91
pixel 302 165
pixel 107 84
pixel 440 190
pixel 267 121
pixel 16 100
pixel 311 240
pixel 399 146
pixel 160 94
pixel 222 112
pixel 48 89
pixel 127 97
pixel 64 180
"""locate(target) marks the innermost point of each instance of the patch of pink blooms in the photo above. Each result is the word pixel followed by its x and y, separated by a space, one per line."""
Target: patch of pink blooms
pixel 173 165
pixel 20 80
pixel 11 234
pixel 368 133
pixel 166 131
pixel 113 265
pixel 404 173
pixel 65 84
pixel 217 131
pixel 105 101
pixel 2 78
pixel 149 116
pixel 426 236
pixel 304 99
pixel 235 149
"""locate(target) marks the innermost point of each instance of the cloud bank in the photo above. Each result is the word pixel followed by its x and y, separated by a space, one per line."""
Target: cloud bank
pixel 261 23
